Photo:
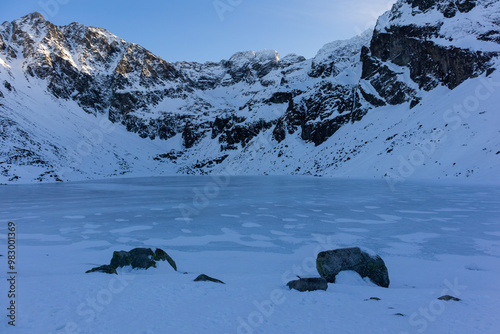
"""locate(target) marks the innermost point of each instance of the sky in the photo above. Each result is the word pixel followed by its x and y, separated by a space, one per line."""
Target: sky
pixel 211 30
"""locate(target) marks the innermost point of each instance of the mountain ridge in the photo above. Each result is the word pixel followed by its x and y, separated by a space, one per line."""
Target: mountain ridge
pixel 254 113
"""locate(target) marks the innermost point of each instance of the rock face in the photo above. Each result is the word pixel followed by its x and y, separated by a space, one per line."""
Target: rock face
pixel 330 263
pixel 224 114
pixel 137 258
pixel 308 284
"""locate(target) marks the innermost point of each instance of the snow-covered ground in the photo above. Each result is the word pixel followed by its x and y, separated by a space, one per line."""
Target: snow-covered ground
pixel 255 234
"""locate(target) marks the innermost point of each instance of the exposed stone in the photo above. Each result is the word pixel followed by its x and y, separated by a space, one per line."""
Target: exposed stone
pixel 373 298
pixel 190 136
pixel 330 263
pixel 205 278
pixel 426 60
pixel 448 298
pixel 161 255
pixel 107 269
pixel 279 132
pixel 308 284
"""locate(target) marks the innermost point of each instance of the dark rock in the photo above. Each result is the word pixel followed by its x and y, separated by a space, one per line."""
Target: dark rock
pixel 142 258
pixel 242 134
pixel 137 258
pixel 415 102
pixel 121 259
pixel 423 5
pixel 190 135
pixel 8 86
pixel 308 284
pixel 490 70
pixel 448 298
pixel 386 83
pixel 280 97
pixel 373 298
pixel 450 10
pixel 161 255
pixel 205 278
pixel 107 269
pixel 330 263
pixel 465 6
pixel 372 99
pixel 279 132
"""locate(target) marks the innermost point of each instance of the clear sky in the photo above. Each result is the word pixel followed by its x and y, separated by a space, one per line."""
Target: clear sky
pixel 201 30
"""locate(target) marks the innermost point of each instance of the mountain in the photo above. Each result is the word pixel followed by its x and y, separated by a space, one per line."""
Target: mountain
pixel 414 98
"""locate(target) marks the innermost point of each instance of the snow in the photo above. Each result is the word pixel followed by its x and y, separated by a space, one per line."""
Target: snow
pixel 435 238
pixel 239 59
pixel 462 30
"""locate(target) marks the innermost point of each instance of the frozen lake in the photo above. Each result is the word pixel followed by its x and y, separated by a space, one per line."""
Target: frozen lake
pixel 254 233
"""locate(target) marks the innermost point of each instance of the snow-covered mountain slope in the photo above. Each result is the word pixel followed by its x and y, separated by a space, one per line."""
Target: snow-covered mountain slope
pixel 416 97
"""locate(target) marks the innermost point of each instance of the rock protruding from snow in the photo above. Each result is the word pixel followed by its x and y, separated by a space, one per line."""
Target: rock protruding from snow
pixel 330 263
pixel 137 258
pixel 161 255
pixel 447 298
pixel 436 47
pixel 141 258
pixel 308 284
pixel 206 278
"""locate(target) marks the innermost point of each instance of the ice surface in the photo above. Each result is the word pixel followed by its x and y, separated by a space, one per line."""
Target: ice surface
pixel 255 234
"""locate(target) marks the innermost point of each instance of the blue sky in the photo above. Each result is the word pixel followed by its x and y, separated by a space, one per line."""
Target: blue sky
pixel 201 30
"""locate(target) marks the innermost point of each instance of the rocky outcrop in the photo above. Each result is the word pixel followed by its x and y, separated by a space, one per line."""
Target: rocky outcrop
pixel 137 258
pixel 429 64
pixel 106 269
pixel 161 255
pixel 424 47
pixel 330 263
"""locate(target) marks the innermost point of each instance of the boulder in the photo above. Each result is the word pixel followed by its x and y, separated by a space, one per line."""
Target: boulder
pixel 107 269
pixel 142 258
pixel 330 263
pixel 121 259
pixel 161 255
pixel 137 258
pixel 308 284
pixel 205 278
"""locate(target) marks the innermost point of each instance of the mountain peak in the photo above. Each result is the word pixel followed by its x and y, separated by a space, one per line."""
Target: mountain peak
pixel 35 16
pixel 261 55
